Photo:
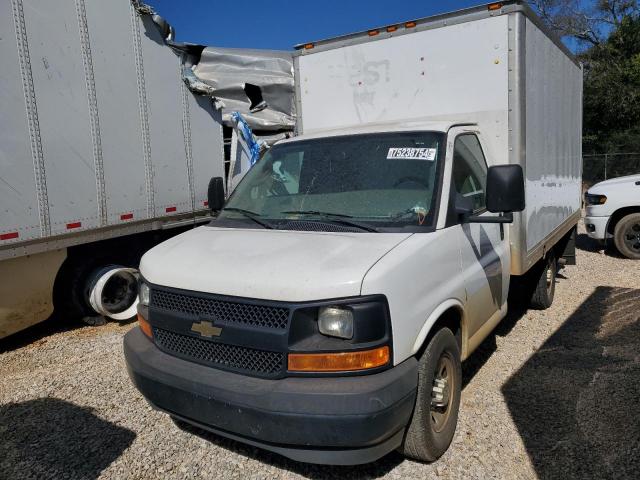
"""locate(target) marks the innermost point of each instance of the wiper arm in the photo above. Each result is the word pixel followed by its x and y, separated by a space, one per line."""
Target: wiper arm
pixel 335 217
pixel 419 211
pixel 250 215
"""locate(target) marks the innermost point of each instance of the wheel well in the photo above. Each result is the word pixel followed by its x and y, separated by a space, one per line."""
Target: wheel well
pixel 451 319
pixel 619 215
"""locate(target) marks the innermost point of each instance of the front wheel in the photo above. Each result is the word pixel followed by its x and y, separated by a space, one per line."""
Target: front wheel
pixel 627 236
pixel 435 414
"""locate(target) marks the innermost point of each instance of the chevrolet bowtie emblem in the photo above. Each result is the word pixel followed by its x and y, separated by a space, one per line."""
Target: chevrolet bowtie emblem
pixel 206 329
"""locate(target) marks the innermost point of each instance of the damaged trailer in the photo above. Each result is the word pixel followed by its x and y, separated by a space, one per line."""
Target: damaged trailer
pixel 106 148
pixel 255 91
pixel 110 132
pixel 258 84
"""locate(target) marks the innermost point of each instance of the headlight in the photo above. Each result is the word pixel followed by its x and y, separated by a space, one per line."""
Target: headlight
pixel 144 294
pixel 336 322
pixel 591 199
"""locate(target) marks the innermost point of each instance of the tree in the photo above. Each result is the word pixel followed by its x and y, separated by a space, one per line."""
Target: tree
pixel 587 21
pixel 607 33
pixel 612 91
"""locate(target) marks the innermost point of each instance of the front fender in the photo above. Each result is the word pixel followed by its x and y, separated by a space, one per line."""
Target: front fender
pixel 434 317
pixel 418 276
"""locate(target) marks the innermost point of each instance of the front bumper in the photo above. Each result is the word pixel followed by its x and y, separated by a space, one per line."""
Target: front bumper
pixel 597 227
pixel 337 420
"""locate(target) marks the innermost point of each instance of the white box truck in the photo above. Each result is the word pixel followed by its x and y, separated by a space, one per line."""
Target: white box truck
pixel 103 153
pixel 326 310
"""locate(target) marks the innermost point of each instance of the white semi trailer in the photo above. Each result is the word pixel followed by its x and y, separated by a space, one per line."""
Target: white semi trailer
pixel 103 153
pixel 325 312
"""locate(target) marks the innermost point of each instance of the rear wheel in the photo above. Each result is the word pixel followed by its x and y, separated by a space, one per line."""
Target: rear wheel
pixel 627 236
pixel 435 415
pixel 545 288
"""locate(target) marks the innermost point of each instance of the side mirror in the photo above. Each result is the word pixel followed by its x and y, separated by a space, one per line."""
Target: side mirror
pixel 215 194
pixel 505 189
pixel 504 194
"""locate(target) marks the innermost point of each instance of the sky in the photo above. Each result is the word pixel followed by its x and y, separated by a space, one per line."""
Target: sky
pixel 281 24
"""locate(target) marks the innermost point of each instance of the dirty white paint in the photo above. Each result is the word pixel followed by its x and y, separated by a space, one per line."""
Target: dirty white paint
pixel 553 136
pixel 439 73
pixel 26 298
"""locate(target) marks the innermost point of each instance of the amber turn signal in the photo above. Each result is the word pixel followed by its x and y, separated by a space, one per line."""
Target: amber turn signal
pixel 145 326
pixel 494 6
pixel 338 362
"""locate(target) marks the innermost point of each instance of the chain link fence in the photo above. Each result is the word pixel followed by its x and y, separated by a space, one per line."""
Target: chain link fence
pixel 599 167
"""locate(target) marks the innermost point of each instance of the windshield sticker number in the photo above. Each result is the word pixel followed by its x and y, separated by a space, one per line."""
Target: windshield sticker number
pixel 408 153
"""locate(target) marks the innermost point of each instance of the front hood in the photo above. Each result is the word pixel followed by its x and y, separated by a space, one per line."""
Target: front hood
pixel 267 264
pixel 629 179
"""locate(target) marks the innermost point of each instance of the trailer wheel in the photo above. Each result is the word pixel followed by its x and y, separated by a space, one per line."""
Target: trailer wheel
pixel 73 286
pixel 545 288
pixel 627 236
pixel 435 414
pixel 67 297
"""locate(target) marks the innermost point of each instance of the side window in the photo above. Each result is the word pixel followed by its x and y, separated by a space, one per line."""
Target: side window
pixel 470 170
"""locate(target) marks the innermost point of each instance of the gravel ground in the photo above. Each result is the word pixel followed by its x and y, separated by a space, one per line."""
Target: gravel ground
pixel 551 394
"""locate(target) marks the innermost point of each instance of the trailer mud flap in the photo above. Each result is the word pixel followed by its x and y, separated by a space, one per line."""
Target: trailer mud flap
pixel 569 251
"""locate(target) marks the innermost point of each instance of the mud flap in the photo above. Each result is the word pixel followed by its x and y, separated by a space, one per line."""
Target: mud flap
pixel 569 251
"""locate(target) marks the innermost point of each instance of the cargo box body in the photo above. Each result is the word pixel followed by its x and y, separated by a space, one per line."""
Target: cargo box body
pixel 497 68
pixel 99 136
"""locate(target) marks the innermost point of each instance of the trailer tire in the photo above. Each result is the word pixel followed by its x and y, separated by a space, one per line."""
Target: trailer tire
pixel 435 415
pixel 70 291
pixel 545 286
pixel 67 302
pixel 626 236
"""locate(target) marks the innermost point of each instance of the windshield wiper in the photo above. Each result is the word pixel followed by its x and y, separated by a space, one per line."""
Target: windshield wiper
pixel 420 212
pixel 250 215
pixel 335 217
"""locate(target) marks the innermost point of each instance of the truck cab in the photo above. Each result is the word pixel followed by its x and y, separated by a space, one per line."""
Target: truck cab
pixel 339 287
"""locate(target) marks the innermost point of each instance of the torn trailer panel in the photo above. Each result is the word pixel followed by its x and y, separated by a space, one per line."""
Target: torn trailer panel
pixel 258 84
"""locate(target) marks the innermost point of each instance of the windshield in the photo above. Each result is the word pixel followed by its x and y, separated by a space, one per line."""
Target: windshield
pixel 384 180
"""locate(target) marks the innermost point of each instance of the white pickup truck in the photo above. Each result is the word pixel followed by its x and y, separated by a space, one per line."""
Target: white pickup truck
pixel 326 310
pixel 613 212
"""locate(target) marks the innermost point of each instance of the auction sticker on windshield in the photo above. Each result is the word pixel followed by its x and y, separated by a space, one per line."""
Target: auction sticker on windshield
pixel 408 153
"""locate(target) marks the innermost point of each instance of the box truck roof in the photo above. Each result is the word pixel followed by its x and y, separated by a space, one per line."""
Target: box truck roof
pixel 409 126
pixel 451 18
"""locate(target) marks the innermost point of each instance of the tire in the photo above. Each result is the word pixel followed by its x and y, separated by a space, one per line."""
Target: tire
pixel 71 287
pixel 626 236
pixel 545 286
pixel 432 427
